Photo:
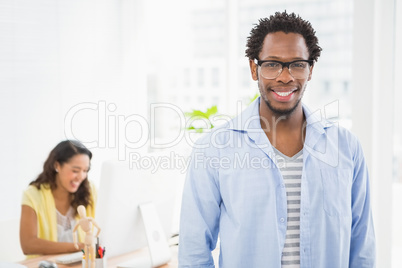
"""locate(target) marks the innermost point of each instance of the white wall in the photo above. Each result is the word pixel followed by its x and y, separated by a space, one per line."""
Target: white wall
pixel 373 110
pixel 55 55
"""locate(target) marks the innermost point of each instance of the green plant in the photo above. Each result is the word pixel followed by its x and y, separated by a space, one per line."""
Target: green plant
pixel 197 115
pixel 198 120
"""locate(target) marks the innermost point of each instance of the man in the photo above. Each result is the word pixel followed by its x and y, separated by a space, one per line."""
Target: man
pixel 281 186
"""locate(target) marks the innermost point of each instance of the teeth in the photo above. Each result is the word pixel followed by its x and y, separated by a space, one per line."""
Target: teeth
pixel 284 94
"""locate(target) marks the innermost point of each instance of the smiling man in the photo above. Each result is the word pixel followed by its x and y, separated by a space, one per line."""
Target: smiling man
pixel 280 186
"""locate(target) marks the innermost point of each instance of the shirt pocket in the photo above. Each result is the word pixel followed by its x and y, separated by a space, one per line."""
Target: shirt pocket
pixel 337 191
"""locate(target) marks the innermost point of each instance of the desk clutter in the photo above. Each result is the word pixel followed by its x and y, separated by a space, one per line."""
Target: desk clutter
pixel 99 263
pixel 69 258
pixel 100 260
pixel 92 255
pixel 47 264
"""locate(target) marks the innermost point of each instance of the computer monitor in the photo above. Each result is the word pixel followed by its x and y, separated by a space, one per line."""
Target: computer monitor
pixel 123 188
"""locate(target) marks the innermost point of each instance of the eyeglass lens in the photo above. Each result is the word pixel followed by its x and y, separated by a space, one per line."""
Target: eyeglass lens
pixel 298 69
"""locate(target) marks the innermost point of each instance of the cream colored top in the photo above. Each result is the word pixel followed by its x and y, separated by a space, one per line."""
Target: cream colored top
pixel 65 225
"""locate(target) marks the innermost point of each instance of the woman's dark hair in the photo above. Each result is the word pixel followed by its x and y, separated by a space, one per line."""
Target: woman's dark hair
pixel 62 153
pixel 282 22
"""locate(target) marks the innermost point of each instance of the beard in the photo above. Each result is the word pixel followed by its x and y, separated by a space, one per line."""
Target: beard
pixel 277 111
pixel 281 112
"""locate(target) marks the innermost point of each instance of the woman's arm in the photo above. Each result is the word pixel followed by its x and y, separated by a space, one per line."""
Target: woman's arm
pixel 31 244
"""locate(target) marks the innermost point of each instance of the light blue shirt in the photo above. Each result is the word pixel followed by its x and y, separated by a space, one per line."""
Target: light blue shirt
pixel 234 189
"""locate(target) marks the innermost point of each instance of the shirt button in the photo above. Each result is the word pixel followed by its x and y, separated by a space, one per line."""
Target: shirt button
pixel 282 219
pixel 283 185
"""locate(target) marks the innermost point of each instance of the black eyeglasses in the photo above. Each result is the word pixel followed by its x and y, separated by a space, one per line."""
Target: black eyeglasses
pixel 271 69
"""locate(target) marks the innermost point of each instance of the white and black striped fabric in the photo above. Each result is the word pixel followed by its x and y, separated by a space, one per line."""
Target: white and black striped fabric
pixel 291 169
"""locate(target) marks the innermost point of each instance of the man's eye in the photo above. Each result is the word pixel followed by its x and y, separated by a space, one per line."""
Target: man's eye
pixel 300 65
pixel 271 65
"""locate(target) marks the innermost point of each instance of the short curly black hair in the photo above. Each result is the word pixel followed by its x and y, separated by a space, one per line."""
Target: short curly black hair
pixel 282 22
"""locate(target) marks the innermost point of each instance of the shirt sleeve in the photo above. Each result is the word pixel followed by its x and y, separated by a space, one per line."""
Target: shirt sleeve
pixel 362 247
pixel 200 211
pixel 42 202
pixel 27 199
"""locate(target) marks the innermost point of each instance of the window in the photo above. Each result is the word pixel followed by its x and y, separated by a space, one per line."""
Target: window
pixel 200 77
pixel 214 39
pixel 215 77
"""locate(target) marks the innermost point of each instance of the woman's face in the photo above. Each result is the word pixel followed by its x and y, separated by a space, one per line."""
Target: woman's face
pixel 71 174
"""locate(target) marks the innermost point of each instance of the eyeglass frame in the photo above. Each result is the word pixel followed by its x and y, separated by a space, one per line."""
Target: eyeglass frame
pixel 283 64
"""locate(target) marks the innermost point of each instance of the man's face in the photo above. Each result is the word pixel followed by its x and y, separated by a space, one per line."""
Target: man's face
pixel 282 94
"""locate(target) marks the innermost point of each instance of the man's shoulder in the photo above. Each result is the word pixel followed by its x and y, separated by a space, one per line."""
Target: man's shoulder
pixel 344 139
pixel 342 132
pixel 217 135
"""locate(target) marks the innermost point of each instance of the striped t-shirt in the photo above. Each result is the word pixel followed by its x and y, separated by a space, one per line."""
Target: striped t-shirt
pixel 291 169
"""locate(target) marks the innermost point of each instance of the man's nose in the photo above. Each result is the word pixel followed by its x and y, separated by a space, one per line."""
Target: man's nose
pixel 285 76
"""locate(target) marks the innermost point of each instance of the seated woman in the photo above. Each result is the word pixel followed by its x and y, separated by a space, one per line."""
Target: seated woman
pixel 49 204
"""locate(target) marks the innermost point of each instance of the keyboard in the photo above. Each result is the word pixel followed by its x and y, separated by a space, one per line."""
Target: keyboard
pixel 69 258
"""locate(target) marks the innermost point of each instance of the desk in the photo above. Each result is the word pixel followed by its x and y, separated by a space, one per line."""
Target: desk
pixel 111 262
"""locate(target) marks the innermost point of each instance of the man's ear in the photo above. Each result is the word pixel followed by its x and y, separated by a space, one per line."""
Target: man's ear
pixel 253 69
pixel 311 73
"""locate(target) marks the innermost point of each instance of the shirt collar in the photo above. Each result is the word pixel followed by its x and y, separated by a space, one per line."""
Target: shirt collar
pixel 249 119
